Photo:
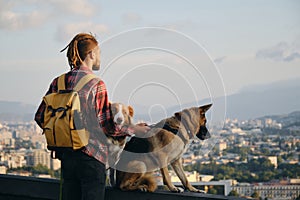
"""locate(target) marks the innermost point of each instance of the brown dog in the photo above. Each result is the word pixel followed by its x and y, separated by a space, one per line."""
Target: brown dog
pixel 122 115
pixel 164 144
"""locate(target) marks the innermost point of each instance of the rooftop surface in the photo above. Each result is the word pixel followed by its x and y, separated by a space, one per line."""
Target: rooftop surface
pixel 13 187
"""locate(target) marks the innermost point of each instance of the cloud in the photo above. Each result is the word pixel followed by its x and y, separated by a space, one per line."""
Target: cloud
pixel 131 18
pixel 16 21
pixel 26 14
pixel 282 51
pixel 13 20
pixel 74 7
pixel 66 32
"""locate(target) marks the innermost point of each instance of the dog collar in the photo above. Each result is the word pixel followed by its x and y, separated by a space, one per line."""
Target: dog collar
pixel 190 134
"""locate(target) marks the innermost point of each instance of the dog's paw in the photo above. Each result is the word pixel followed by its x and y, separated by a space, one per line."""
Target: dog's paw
pixel 196 190
pixel 143 189
pixel 177 190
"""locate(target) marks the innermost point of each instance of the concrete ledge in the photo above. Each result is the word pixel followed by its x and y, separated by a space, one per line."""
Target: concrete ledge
pixel 112 194
pixel 29 188
pixel 14 187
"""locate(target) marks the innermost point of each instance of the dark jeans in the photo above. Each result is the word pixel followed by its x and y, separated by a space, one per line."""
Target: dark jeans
pixel 83 177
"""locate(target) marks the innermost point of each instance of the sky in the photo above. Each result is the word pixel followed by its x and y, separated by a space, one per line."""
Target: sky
pixel 153 53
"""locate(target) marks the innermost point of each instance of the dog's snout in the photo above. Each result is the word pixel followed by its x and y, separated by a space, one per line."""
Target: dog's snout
pixel 203 133
pixel 119 120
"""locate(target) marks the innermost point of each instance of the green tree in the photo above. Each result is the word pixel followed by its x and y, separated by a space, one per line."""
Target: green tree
pixel 265 176
pixel 212 191
pixel 233 193
pixel 255 195
pixel 40 169
pixel 265 151
pixel 36 170
pixel 279 160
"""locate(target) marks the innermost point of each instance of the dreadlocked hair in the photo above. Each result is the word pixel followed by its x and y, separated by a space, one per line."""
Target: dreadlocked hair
pixel 79 48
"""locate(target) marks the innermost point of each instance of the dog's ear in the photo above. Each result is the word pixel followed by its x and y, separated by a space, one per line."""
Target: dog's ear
pixel 131 111
pixel 204 108
pixel 178 115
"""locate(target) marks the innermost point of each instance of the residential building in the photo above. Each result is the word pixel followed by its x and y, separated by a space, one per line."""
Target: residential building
pixel 276 191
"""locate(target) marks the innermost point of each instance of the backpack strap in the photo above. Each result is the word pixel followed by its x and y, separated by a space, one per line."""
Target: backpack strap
pixel 61 82
pixel 84 80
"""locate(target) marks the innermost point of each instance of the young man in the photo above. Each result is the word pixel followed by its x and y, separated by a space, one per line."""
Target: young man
pixel 83 171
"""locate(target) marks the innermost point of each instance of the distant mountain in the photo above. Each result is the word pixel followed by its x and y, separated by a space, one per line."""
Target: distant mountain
pixel 16 111
pixel 277 98
pixel 287 120
pixel 252 102
pixel 249 103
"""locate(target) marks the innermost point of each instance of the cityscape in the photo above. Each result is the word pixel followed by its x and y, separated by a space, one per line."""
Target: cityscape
pixel 257 158
pixel 161 57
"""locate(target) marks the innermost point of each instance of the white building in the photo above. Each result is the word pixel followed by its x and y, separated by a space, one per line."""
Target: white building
pixel 272 191
pixel 39 156
pixel 273 160
pixel 3 169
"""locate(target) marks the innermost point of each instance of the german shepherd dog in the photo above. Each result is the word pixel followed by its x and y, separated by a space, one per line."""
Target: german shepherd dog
pixel 164 144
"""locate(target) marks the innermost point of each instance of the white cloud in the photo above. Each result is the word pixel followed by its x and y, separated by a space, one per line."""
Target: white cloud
pixel 13 20
pixel 20 15
pixel 66 32
pixel 282 51
pixel 75 7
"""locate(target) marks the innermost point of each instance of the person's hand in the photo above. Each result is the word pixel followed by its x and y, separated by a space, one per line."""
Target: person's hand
pixel 141 128
pixel 142 124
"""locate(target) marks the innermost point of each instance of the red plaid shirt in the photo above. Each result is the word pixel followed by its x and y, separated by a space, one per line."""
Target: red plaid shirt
pixel 96 112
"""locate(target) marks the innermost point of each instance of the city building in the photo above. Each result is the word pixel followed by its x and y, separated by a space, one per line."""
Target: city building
pixel 3 169
pixel 273 160
pixel 276 191
pixel 221 146
pixel 38 156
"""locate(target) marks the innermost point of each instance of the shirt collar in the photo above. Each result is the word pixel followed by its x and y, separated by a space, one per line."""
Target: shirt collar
pixel 84 68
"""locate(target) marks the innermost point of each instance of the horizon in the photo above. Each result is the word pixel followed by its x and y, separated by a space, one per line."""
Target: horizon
pixel 235 108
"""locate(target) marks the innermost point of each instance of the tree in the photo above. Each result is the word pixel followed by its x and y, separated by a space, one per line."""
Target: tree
pixel 212 191
pixel 265 151
pixel 279 160
pixel 36 170
pixel 219 176
pixel 255 195
pixel 233 193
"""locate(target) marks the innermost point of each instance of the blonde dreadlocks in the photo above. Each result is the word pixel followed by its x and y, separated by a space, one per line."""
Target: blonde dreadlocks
pixel 79 48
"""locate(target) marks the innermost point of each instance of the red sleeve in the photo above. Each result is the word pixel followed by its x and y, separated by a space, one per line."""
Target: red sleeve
pixel 39 115
pixel 104 116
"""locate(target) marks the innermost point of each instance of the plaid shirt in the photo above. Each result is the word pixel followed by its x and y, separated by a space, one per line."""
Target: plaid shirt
pixel 96 112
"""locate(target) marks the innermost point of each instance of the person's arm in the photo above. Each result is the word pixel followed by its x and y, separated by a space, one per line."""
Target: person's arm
pixel 104 116
pixel 39 115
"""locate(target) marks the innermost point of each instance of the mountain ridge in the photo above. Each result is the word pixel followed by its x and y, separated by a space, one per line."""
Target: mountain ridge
pixel 251 102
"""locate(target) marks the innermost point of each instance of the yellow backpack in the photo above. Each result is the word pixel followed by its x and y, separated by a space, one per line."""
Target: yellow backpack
pixel 62 118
